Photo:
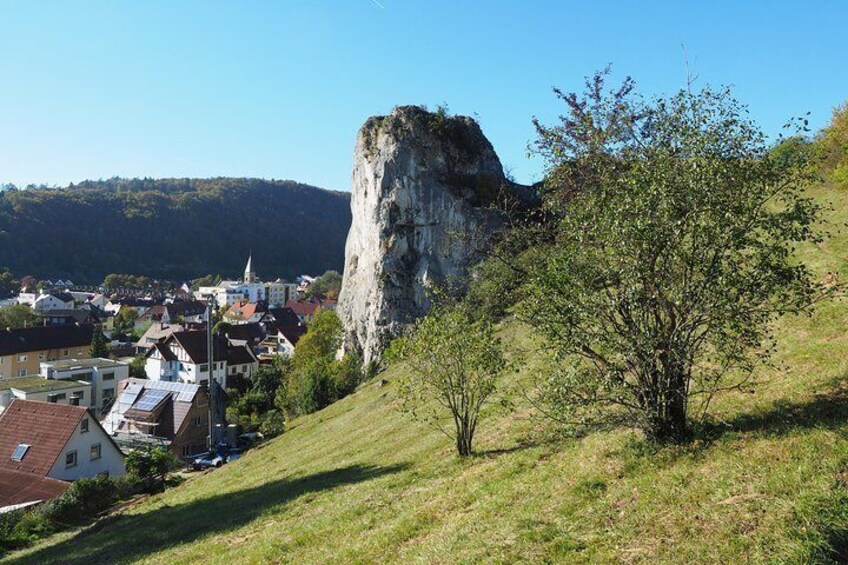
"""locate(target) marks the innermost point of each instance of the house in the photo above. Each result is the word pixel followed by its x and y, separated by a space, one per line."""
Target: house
pixel 279 292
pixel 157 412
pixel 19 490
pixel 53 301
pixel 190 311
pixel 41 440
pixel 241 365
pixel 23 349
pixel 183 358
pixel 283 316
pixel 251 334
pixel 36 387
pixel 64 317
pixel 156 333
pixel 281 339
pixel 305 309
pixel 244 312
pixel 102 375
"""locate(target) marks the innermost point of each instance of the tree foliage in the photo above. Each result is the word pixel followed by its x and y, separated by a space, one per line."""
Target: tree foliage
pixel 99 344
pixel 454 359
pixel 315 377
pixel 172 228
pixel 8 285
pixel 833 141
pixel 329 284
pixel 18 316
pixel 673 247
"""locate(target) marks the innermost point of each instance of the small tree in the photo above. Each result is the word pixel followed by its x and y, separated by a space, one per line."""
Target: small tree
pixel 149 466
pixel 99 345
pixel 18 316
pixel 454 362
pixel 673 253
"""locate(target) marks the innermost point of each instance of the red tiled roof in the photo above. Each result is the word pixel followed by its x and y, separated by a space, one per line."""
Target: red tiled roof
pixel 302 307
pixel 20 488
pixel 44 426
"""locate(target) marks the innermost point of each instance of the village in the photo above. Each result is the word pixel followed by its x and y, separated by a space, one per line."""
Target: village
pixel 102 372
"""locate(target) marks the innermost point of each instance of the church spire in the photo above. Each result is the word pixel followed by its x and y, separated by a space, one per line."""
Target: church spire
pixel 249 275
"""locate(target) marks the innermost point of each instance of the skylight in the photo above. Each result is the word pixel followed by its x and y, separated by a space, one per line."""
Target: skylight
pixel 19 452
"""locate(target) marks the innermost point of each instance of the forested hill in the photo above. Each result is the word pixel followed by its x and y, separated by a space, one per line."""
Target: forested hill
pixel 172 228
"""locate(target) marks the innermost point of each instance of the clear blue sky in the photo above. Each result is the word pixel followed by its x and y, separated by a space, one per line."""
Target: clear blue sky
pixel 278 89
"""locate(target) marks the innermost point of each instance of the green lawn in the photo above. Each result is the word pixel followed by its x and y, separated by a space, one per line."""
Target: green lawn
pixel 360 482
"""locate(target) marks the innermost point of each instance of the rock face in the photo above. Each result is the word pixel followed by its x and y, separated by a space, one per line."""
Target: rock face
pixel 421 186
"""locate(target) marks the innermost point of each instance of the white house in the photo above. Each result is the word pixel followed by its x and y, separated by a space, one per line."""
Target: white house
pixel 182 357
pixel 103 375
pixel 45 440
pixel 47 302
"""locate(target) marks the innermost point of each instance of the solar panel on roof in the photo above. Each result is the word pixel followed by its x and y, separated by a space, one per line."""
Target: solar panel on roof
pixel 151 400
pixel 130 394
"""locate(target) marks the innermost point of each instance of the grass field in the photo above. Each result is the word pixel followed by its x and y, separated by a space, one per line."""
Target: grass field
pixel 360 482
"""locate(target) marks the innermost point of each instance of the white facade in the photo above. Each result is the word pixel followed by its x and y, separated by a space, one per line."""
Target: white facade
pixel 102 374
pixel 182 369
pixel 277 293
pixel 88 453
pixel 47 302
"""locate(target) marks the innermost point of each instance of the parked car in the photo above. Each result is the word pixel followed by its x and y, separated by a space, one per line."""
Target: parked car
pixel 213 459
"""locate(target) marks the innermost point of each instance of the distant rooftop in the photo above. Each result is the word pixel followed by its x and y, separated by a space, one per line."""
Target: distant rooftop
pixel 37 383
pixel 66 364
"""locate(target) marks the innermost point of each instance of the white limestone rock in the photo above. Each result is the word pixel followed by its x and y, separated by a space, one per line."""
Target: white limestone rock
pixel 420 193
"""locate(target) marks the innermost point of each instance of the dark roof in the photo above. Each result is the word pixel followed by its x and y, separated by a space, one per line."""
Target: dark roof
pixel 284 316
pixel 63 296
pixel 39 338
pixel 184 308
pixel 303 307
pixel 252 332
pixel 72 316
pixel 291 333
pixel 194 343
pixel 44 426
pixel 240 355
pixel 166 352
pixel 20 488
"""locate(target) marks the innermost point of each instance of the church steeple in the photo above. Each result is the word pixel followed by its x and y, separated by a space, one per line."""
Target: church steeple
pixel 249 275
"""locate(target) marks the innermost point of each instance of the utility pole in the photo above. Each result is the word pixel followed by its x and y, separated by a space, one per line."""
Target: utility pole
pixel 210 359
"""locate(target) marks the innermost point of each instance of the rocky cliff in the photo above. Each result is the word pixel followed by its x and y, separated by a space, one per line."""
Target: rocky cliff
pixel 421 191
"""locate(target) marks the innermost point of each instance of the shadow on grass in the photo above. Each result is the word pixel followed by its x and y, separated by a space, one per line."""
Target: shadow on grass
pixel 124 538
pixel 825 411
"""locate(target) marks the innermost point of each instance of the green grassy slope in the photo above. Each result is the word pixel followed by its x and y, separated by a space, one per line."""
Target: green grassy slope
pixel 359 482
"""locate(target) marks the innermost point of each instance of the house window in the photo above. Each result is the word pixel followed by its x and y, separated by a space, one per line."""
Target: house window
pixel 186 451
pixel 41 355
pixel 21 372
pixel 20 451
pixel 95 452
pixel 204 368
pixel 109 376
pixel 70 459
pixel 84 425
pixel 22 358
pixel 65 352
pixel 56 397
pixel 198 420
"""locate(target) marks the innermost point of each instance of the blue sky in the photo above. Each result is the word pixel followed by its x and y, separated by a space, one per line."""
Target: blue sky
pixel 278 89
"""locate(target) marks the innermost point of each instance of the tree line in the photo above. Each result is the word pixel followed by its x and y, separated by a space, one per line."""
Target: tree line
pixel 172 228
